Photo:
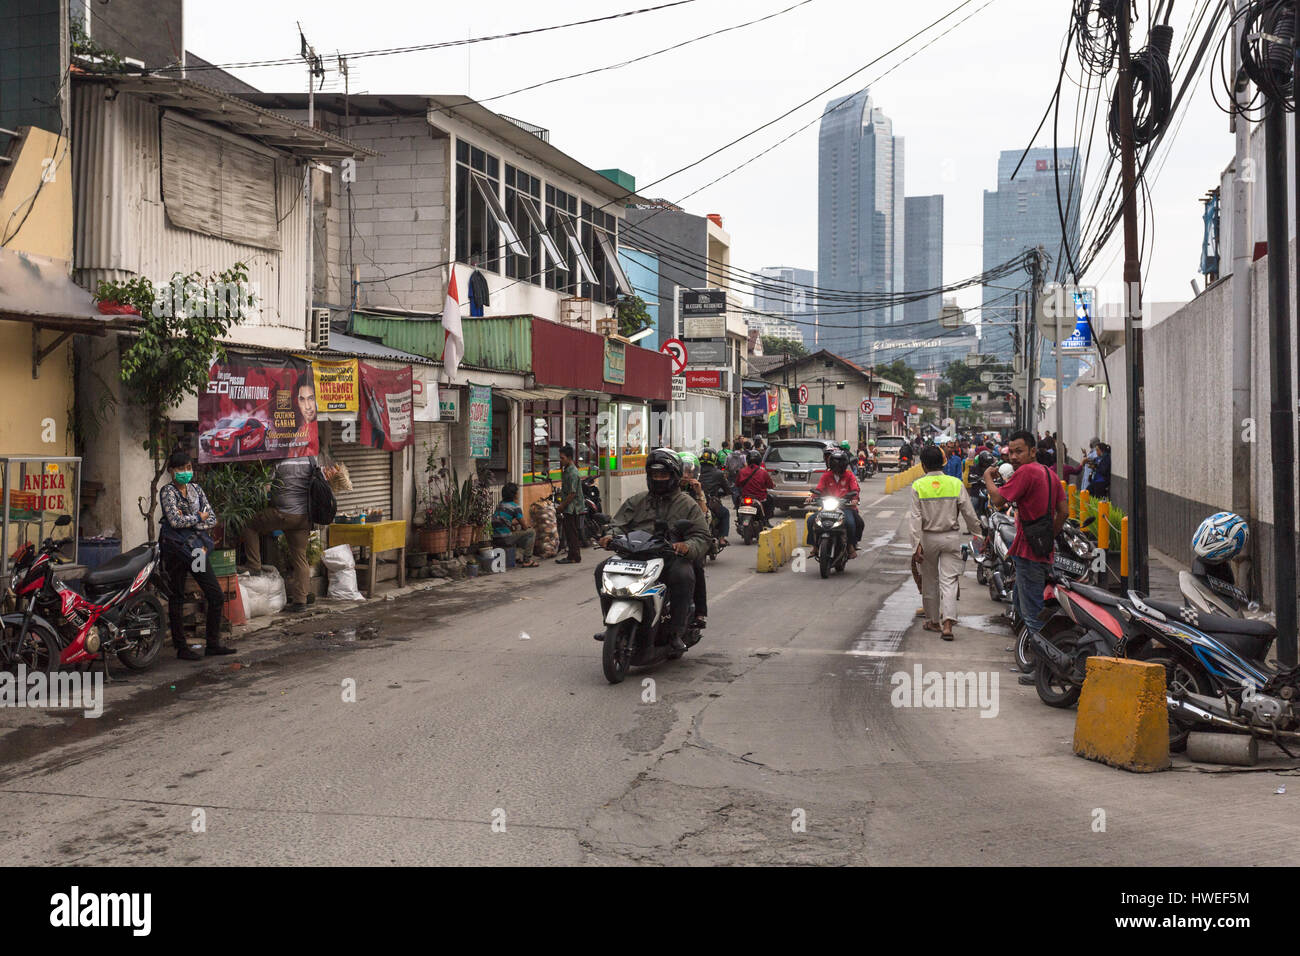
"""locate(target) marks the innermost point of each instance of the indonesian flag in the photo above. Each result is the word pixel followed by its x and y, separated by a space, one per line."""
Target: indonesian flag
pixel 454 349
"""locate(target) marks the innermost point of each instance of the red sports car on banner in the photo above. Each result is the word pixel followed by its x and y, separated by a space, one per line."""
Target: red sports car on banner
pixel 233 436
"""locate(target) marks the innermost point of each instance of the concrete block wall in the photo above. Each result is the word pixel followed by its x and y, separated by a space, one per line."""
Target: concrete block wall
pixel 399 216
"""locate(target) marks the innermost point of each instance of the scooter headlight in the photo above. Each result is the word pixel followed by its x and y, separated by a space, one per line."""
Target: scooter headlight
pixel 830 504
pixel 92 642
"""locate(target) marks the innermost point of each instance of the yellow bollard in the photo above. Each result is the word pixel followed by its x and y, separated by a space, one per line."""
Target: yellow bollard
pixel 1123 548
pixel 1103 524
pixel 1084 498
pixel 1073 493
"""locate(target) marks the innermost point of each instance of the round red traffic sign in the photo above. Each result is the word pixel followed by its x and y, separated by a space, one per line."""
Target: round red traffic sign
pixel 868 406
pixel 676 350
pixel 803 394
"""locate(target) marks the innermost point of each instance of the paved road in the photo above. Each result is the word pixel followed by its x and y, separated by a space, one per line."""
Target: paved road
pixel 484 701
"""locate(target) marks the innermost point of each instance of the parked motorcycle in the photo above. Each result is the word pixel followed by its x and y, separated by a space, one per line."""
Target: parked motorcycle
pixel 1212 589
pixel 638 623
pixel 1072 561
pixel 751 518
pixel 1216 672
pixel 110 610
pixel 1087 624
pixel 830 535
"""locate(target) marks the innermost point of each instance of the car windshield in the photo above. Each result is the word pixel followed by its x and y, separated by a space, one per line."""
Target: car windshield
pixel 230 422
pixel 803 454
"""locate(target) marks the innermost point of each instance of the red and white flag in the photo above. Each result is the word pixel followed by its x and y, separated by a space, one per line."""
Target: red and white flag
pixel 454 349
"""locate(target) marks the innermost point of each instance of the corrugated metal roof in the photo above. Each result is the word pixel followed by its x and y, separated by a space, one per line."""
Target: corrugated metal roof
pixel 501 343
pixel 362 348
pixel 231 112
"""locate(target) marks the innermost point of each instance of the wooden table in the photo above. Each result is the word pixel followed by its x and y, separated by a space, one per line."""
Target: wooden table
pixel 375 537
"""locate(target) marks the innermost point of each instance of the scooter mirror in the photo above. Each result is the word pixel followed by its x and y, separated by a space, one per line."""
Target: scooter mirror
pixel 63 520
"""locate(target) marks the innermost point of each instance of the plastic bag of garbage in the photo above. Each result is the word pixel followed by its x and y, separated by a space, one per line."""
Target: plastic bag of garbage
pixel 263 593
pixel 541 514
pixel 342 573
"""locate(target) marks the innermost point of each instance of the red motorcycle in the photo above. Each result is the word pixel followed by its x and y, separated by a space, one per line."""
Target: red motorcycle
pixel 58 626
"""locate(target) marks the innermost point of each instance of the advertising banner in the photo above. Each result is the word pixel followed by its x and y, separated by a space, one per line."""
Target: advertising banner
pixel 696 302
pixel 424 392
pixel 703 379
pixel 386 407
pixel 773 411
pixel 336 385
pixel 480 421
pixel 884 406
pixel 753 402
pixel 615 361
pixel 787 413
pixel 258 406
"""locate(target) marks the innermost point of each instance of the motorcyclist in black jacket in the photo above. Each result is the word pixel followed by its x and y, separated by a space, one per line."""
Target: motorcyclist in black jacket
pixel 714 481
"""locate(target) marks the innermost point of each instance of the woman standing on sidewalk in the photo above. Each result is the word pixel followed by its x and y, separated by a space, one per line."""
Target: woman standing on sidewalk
pixel 187 517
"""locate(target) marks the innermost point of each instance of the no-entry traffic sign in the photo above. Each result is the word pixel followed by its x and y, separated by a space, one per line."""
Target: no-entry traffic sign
pixel 676 350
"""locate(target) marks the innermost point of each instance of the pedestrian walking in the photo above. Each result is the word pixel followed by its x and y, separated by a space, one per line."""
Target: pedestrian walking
pixel 508 529
pixel 571 506
pixel 289 512
pixel 939 504
pixel 186 520
pixel 1041 512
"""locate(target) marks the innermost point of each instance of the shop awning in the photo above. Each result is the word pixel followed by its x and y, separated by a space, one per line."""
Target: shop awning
pixel 534 394
pixel 37 290
pixel 352 347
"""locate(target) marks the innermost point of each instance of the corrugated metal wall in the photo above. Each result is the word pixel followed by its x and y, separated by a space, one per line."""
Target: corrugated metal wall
pixel 122 228
pixel 503 344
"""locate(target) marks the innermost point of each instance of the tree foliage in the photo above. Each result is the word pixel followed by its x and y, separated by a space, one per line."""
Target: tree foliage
pixel 633 315
pixel 960 379
pixel 169 358
pixel 898 373
pixel 775 345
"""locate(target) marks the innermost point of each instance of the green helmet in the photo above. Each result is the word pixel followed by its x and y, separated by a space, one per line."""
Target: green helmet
pixel 844 445
pixel 690 464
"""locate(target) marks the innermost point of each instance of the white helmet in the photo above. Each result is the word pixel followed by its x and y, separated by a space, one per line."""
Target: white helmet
pixel 1221 537
pixel 1006 470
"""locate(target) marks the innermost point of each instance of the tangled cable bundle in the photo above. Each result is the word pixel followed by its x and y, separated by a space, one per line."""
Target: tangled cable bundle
pixel 1153 90
pixel 1266 48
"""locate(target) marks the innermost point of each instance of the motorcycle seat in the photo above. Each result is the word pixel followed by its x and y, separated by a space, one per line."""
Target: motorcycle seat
pixel 1216 624
pixel 117 571
pixel 1096 595
pixel 1008 533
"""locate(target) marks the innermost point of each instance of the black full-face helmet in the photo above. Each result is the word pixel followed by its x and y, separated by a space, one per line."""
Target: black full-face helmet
pixel 837 460
pixel 753 457
pixel 663 471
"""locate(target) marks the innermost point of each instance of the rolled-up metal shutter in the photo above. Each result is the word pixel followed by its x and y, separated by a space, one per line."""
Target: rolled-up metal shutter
pixel 371 471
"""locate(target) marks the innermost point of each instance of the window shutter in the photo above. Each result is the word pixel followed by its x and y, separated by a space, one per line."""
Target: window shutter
pixel 371 473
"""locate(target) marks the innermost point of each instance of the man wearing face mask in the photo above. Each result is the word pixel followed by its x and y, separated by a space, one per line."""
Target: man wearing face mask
pixel 186 547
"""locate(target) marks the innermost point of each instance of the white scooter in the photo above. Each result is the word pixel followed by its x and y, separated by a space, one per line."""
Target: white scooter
pixel 638 619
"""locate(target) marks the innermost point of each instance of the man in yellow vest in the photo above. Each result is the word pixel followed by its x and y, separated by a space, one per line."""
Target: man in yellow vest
pixel 939 502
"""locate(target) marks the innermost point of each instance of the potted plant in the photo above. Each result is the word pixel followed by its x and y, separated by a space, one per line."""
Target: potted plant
pixel 464 495
pixel 436 506
pixel 237 493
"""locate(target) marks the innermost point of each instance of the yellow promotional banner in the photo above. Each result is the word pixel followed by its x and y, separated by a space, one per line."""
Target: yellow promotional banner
pixel 336 385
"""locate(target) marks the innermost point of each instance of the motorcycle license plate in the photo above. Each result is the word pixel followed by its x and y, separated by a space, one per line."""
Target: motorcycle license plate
pixel 747 510
pixel 625 567
pixel 1070 567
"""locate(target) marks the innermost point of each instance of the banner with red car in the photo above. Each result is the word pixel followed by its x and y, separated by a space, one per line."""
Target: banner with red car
pixel 387 408
pixel 258 406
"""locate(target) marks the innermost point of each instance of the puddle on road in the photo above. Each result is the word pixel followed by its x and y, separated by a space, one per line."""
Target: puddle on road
pixel 988 623
pixel 884 633
pixel 345 636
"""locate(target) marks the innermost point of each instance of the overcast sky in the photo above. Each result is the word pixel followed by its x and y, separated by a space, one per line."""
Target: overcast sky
pixel 977 91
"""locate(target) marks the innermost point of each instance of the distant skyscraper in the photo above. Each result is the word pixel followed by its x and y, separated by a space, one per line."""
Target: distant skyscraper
pixel 787 291
pixel 859 223
pixel 1020 215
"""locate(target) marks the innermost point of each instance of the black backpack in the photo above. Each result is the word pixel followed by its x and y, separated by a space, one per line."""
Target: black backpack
pixel 321 505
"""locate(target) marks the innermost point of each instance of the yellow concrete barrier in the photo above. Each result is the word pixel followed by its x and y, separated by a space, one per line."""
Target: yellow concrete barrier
pixel 775 546
pixel 1122 718
pixel 1123 547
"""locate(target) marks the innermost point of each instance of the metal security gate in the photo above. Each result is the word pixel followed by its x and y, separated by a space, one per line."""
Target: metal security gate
pixel 371 471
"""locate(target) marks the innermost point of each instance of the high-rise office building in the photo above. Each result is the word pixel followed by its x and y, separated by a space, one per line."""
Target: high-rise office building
pixel 788 292
pixel 860 219
pixel 1020 215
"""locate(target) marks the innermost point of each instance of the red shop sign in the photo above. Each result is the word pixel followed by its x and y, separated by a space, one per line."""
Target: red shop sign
pixel 704 379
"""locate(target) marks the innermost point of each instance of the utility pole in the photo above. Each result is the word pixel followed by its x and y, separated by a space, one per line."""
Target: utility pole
pixel 1281 406
pixel 1243 498
pixel 1135 381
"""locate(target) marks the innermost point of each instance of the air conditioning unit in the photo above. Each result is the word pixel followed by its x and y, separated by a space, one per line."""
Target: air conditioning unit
pixel 318 329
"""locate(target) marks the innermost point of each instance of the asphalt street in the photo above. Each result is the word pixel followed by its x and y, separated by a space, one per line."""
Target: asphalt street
pixel 483 732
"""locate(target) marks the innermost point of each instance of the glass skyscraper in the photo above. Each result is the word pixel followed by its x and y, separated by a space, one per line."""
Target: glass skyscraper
pixel 859 224
pixel 787 291
pixel 1020 215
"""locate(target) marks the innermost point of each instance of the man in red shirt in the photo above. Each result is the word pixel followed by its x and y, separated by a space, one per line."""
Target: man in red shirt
pixel 754 480
pixel 840 482
pixel 1035 492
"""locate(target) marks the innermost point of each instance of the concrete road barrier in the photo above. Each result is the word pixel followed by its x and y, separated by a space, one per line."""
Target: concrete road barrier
pixel 1122 718
pixel 776 545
